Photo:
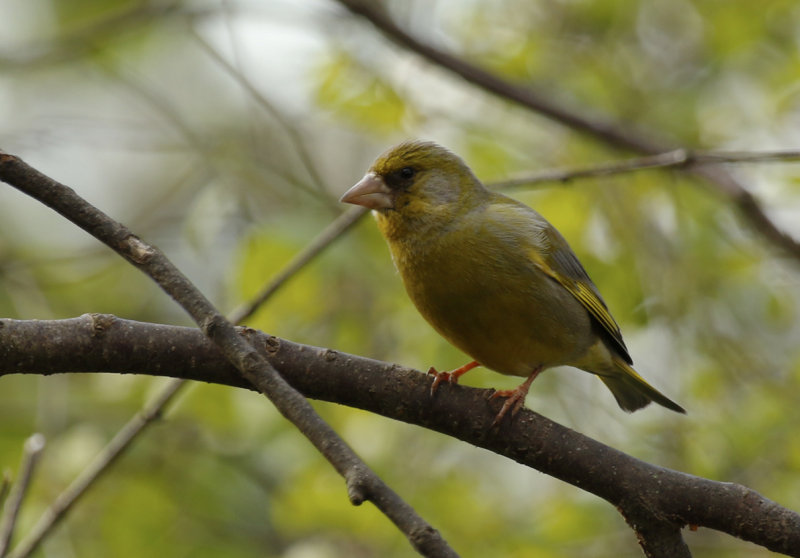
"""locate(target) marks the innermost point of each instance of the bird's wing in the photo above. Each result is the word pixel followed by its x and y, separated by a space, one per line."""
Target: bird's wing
pixel 563 266
pixel 551 253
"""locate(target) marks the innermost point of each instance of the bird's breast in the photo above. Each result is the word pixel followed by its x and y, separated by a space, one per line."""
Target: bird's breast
pixel 493 303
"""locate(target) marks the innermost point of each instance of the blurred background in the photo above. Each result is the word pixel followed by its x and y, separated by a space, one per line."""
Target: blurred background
pixel 224 131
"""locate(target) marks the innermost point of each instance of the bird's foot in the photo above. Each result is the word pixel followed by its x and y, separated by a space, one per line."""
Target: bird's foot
pixel 514 401
pixel 515 398
pixel 439 377
pixel 450 377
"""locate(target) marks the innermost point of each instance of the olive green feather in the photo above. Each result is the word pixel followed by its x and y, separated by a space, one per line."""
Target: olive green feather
pixel 491 275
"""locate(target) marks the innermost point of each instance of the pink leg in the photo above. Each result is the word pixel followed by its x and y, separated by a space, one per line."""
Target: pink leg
pixel 515 397
pixel 452 376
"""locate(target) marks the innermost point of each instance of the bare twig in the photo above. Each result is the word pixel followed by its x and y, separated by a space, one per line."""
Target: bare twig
pixel 293 135
pixel 30 454
pixel 362 483
pixel 92 473
pixel 5 484
pixel 788 155
pixel 137 425
pixel 333 231
pixel 651 498
pixel 170 113
pixel 604 130
pixel 83 40
pixel 677 159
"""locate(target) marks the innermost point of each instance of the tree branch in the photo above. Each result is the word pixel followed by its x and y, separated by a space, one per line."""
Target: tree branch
pixel 30 455
pixel 656 502
pixel 362 483
pixel 5 484
pixel 338 227
pixel 292 133
pixel 138 424
pixel 604 130
pixel 677 159
pixel 91 474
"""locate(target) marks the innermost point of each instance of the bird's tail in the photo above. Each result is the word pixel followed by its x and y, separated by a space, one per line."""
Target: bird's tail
pixel 632 392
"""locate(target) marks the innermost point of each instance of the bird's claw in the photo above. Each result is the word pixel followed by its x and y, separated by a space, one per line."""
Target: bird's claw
pixel 514 401
pixel 439 377
pixel 514 397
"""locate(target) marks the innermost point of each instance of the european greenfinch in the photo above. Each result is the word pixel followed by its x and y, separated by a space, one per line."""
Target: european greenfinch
pixel 493 277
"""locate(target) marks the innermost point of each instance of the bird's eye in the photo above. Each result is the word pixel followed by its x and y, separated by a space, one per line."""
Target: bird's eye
pixel 406 173
pixel 400 179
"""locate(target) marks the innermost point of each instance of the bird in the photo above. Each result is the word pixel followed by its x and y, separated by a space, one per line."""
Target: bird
pixel 493 277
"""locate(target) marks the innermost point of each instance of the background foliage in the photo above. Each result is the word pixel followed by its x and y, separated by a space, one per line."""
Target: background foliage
pixel 127 102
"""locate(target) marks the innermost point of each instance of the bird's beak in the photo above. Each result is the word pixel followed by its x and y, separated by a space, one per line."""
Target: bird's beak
pixel 371 192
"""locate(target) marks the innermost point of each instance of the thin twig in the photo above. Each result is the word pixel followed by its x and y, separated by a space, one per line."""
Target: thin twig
pixel 676 159
pixel 84 40
pixel 30 455
pixel 170 113
pixel 138 423
pixel 5 484
pixel 333 231
pixel 93 472
pixel 292 134
pixel 362 483
pixel 603 129
pixel 788 155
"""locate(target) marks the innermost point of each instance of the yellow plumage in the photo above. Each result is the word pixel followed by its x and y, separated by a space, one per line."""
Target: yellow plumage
pixel 492 276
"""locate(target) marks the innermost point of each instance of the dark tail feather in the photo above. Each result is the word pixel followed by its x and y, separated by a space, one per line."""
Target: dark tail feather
pixel 632 392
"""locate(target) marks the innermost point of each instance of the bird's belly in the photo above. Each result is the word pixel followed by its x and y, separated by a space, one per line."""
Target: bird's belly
pixel 507 326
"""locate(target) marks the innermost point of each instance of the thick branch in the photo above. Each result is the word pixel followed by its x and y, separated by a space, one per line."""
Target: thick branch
pixel 362 483
pixel 653 499
pixel 604 130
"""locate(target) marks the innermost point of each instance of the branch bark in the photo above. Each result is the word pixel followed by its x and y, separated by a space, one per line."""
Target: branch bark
pixel 657 502
pixel 362 483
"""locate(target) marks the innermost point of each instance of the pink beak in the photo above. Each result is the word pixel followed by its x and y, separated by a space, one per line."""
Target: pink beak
pixel 371 192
